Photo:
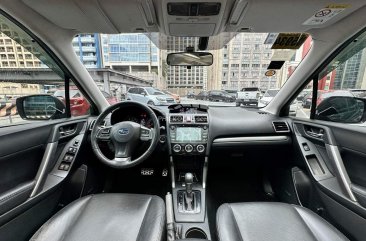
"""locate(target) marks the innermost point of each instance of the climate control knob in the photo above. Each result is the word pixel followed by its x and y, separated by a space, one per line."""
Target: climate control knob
pixel 177 148
pixel 188 148
pixel 200 148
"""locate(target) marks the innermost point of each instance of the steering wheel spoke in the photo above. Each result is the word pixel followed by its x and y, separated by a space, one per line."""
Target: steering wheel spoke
pixel 122 152
pixel 146 134
pixel 104 133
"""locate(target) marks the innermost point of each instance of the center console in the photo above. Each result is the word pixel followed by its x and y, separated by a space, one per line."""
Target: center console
pixel 188 135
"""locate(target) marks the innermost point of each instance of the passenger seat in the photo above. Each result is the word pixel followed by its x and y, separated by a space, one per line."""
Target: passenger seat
pixel 272 222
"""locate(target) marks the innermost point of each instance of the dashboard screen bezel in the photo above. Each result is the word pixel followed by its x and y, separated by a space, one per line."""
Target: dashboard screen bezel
pixel 188 141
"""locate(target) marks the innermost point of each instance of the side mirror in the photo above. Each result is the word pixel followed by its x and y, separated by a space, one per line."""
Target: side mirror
pixel 40 107
pixel 343 109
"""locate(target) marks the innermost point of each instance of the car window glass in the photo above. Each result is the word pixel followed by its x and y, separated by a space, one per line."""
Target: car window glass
pixel 338 85
pixel 301 105
pixel 26 69
pixel 79 105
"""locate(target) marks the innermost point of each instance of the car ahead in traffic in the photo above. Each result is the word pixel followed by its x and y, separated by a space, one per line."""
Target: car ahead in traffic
pixel 175 96
pixel 233 93
pixel 149 95
pixel 78 104
pixel 220 95
pixel 191 95
pixel 267 97
pixel 303 94
pixel 203 95
pixel 248 96
pixel 270 94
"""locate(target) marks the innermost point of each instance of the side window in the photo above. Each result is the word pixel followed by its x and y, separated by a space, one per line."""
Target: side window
pixel 79 105
pixel 301 106
pixel 26 69
pixel 341 87
pixel 141 91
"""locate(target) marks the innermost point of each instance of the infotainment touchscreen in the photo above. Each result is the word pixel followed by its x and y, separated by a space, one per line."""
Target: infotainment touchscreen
pixel 188 134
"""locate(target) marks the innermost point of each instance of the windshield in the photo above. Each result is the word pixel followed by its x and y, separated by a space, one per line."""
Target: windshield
pixel 243 69
pixel 152 91
pixel 271 93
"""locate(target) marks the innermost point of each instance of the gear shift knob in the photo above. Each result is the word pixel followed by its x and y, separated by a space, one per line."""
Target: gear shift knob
pixel 188 180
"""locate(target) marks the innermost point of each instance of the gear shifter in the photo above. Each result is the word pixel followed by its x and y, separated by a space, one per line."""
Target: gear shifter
pixel 189 195
pixel 188 180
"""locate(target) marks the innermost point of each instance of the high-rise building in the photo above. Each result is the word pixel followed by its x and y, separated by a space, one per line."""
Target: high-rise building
pixel 14 55
pixel 180 79
pixel 351 73
pixel 244 61
pixel 87 48
pixel 134 54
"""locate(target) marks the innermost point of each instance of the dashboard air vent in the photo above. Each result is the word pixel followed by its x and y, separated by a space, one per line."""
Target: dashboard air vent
pixel 200 119
pixel 176 118
pixel 280 126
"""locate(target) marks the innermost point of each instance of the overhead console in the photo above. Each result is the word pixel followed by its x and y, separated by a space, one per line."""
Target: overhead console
pixel 188 127
pixel 200 18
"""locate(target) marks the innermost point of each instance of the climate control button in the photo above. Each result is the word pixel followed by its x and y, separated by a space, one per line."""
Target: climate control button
pixel 188 148
pixel 200 148
pixel 177 148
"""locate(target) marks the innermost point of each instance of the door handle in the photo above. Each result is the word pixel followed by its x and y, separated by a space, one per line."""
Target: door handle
pixel 314 134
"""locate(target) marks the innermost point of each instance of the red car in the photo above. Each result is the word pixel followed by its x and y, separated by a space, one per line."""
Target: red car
pixel 80 105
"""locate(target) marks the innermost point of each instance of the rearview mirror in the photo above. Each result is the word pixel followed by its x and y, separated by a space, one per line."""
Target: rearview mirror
pixel 40 107
pixel 190 59
pixel 343 109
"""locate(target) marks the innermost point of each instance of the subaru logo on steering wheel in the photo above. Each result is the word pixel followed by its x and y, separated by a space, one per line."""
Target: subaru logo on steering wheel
pixel 123 131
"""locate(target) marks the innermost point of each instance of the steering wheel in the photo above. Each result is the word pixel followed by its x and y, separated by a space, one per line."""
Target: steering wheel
pixel 125 136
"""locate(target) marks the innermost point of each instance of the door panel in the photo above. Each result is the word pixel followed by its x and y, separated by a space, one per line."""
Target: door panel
pixel 30 168
pixel 335 155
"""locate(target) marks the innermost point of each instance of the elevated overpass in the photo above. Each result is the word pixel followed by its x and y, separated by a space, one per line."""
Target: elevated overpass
pixel 47 76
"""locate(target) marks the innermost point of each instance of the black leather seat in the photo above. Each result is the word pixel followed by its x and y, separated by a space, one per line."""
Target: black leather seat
pixel 272 222
pixel 107 217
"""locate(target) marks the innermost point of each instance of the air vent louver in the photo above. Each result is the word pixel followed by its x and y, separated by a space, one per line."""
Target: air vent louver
pixel 176 118
pixel 200 119
pixel 280 126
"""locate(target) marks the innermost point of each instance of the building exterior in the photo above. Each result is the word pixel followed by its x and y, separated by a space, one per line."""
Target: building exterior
pixel 244 61
pixel 180 79
pixel 87 48
pixel 14 55
pixel 134 54
pixel 351 74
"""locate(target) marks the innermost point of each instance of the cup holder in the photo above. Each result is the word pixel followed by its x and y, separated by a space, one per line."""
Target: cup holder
pixel 196 233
